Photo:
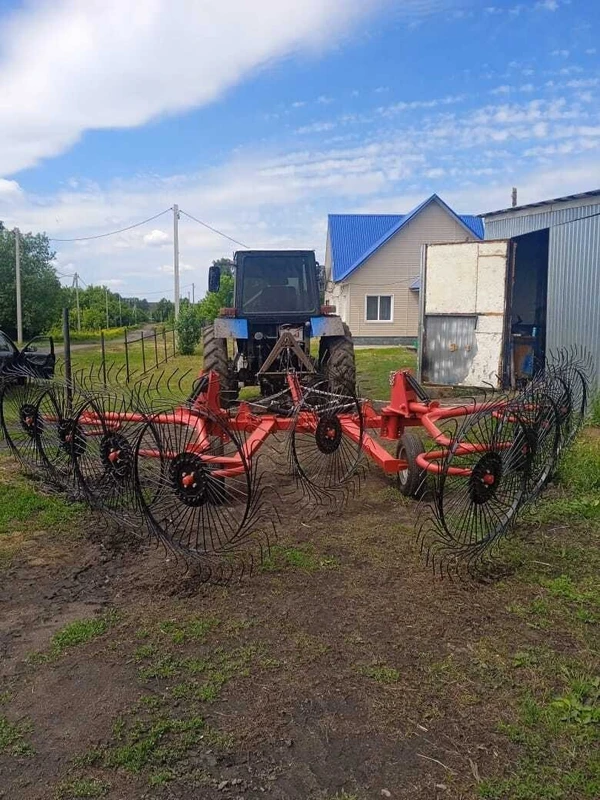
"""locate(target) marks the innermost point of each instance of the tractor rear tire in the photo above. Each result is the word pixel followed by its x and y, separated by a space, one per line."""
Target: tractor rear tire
pixel 217 360
pixel 337 364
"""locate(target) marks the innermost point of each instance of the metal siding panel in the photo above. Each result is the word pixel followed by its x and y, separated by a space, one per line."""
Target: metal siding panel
pixel 449 348
pixel 520 224
pixel 574 288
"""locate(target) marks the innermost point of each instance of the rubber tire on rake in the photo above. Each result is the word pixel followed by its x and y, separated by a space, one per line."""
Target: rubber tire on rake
pixel 186 506
pixel 474 511
pixel 411 481
pixel 323 456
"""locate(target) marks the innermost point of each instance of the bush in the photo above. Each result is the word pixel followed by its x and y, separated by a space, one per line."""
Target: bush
pixel 188 330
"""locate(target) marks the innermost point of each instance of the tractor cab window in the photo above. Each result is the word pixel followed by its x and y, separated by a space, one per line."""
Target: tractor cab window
pixel 276 285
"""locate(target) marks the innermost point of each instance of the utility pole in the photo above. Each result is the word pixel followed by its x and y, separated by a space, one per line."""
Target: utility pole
pixel 18 285
pixel 193 293
pixel 76 282
pixel 176 257
pixel 514 196
pixel 107 321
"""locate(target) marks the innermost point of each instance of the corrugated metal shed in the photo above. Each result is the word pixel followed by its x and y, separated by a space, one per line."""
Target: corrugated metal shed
pixel 510 225
pixel 573 311
pixel 574 288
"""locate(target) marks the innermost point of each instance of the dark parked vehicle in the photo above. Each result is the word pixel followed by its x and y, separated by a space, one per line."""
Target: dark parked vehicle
pixel 37 356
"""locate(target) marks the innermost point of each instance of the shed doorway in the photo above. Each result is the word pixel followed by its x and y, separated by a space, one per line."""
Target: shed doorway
pixel 528 305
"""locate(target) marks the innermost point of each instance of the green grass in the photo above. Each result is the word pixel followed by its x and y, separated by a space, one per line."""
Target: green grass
pixel 75 634
pixel 21 503
pixel 194 629
pixel 595 409
pixel 12 738
pixel 373 367
pixel 26 513
pixel 81 632
pixel 559 741
pixel 301 557
pixel 576 498
pixel 80 788
pixel 381 673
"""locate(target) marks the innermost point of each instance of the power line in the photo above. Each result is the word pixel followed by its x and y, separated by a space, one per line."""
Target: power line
pixel 214 230
pixel 112 233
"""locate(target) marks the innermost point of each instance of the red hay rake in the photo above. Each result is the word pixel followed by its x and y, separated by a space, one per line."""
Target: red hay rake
pixel 209 483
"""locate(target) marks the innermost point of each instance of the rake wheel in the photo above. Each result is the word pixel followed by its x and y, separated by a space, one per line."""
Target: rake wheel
pixel 20 421
pixel 482 482
pixel 541 437
pixel 322 453
pixel 62 441
pixel 105 468
pixel 187 501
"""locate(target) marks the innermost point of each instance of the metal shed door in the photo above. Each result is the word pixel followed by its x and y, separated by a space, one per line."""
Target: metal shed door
pixel 464 289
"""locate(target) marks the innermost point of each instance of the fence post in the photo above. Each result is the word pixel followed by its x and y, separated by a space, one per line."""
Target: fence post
pixel 165 345
pixel 155 349
pixel 126 357
pixel 103 349
pixel 143 351
pixel 174 345
pixel 67 354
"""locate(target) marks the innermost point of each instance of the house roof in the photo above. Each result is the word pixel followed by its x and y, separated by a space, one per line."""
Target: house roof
pixel 355 237
pixel 594 193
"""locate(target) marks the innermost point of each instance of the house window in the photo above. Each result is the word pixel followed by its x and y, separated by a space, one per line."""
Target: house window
pixel 379 307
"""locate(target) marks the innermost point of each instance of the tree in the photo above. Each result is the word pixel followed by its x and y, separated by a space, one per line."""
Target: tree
pixel 226 265
pixel 210 305
pixel 188 330
pixel 41 292
pixel 164 311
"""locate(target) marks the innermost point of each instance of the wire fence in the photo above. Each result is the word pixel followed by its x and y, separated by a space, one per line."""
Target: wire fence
pixel 138 353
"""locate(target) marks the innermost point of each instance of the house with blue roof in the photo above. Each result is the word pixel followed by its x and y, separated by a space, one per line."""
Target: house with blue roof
pixel 373 266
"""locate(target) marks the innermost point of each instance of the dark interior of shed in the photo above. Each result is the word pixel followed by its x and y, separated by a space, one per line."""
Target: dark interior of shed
pixel 529 303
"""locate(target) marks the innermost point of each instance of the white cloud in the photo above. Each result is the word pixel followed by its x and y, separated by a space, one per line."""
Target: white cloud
pixel 9 191
pixel 156 238
pixel 316 127
pixel 561 53
pixel 183 267
pixel 269 198
pixel 67 66
pixel 111 282
pixel 547 5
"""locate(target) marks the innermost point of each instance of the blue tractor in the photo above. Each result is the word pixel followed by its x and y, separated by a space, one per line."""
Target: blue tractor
pixel 277 312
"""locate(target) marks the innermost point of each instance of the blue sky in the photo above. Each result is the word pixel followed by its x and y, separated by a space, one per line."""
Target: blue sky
pixel 260 118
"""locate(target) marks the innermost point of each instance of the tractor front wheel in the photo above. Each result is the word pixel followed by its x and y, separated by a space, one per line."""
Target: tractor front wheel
pixel 217 360
pixel 336 361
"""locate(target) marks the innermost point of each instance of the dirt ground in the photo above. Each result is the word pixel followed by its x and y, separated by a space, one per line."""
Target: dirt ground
pixel 340 669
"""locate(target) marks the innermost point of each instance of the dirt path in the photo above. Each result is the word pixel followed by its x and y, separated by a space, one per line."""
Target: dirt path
pixel 341 669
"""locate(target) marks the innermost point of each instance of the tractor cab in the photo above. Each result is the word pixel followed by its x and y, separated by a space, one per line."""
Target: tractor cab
pixel 276 313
